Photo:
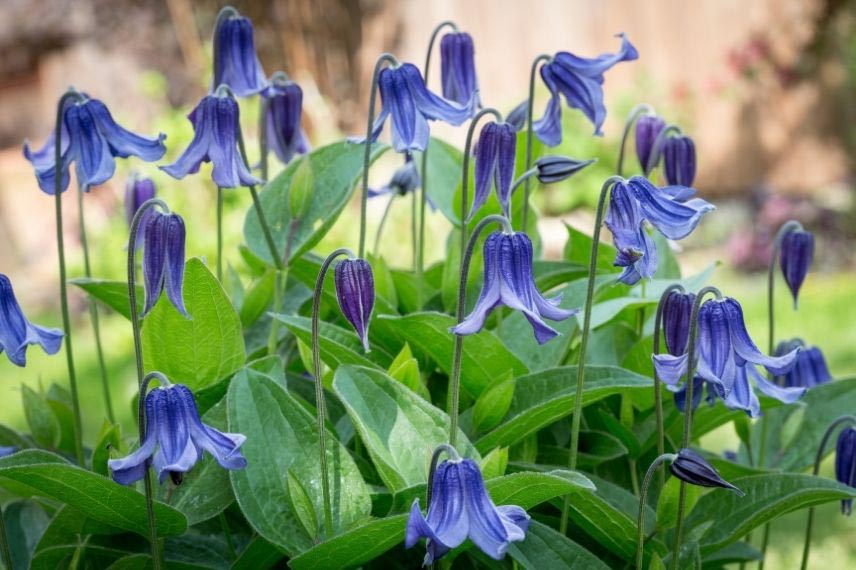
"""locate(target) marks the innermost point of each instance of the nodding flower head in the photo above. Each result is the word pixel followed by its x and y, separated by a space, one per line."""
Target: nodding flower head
pixel 508 281
pixel 461 508
pixel 137 192
pixel 580 81
pixel 91 139
pixel 235 61
pixel 355 291
pixel 677 312
pixel 495 154
pixel 727 359
pixel 845 464
pixel 458 69
pixel 284 111
pixel 679 160
pixel 648 128
pixel 163 260
pixel 692 468
pixel 17 333
pixel 215 139
pixel 175 439
pixel 404 180
pixel 518 116
pixel 557 168
pixel 797 251
pixel 810 369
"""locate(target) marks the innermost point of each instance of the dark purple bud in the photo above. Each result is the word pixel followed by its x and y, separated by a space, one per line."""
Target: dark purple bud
pixel 356 294
pixel 679 160
pixel 458 68
pixel 557 168
pixel 797 251
pixel 284 111
pixel 163 260
pixel 517 117
pixel 648 127
pixel 495 154
pixel 137 192
pixel 692 468
pixel 677 311
pixel 845 464
pixel 235 61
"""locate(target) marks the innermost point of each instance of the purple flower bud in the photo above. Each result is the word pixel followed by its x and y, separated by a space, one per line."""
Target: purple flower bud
pixel 648 127
pixel 797 251
pixel 517 116
pixel 235 61
pixel 679 160
pixel 458 69
pixel 356 294
pixel 677 311
pixel 284 111
pixel 137 192
pixel 163 260
pixel 17 333
pixel 692 468
pixel 845 464
pixel 495 154
pixel 557 168
pixel 810 369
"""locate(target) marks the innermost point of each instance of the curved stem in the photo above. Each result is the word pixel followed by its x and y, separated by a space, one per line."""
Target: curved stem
pixel 380 226
pixel 688 413
pixel 321 412
pixel 529 107
pixel 821 451
pixel 384 59
pixel 63 291
pixel 93 310
pixel 435 459
pixel 635 113
pixel 522 179
pixel 219 234
pixel 640 518
pixel 657 147
pixel 578 402
pixel 455 384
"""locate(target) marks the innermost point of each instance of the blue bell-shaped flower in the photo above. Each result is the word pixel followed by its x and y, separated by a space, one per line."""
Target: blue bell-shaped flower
pixel 235 61
pixel 810 369
pixel 648 128
pixel 458 68
pixel 797 251
pixel 284 111
pixel 355 292
pixel 163 260
pixel 845 464
pixel 17 333
pixel 137 192
pixel 677 312
pixel 679 160
pixel 495 154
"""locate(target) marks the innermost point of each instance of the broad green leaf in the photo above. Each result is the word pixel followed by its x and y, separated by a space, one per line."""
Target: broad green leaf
pixel 200 350
pixel 412 294
pixel 95 496
pixel 578 250
pixel 25 521
pixel 400 429
pixel 405 369
pixel 596 447
pixel 335 168
pixel 443 177
pixel 43 423
pixel 494 463
pixel 492 405
pixel 110 439
pixel 258 298
pixel 667 266
pixel 301 188
pixel 667 502
pixel 544 548
pixel 302 506
pixel 60 542
pixel 384 284
pixel 548 396
pixel 59 400
pixel 484 358
pixel 114 294
pixel 605 311
pixel 11 438
pixel 767 497
pixel 259 554
pixel 282 436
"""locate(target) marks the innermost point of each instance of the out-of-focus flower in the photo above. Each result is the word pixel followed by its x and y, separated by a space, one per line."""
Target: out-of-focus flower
pixel 679 160
pixel 17 333
pixel 458 68
pixel 163 260
pixel 648 128
pixel 810 369
pixel 284 111
pixel 137 192
pixel 235 61
pixel 518 115
pixel 845 464
pixel 797 251
pixel 692 468
pixel 404 180
pixel 355 291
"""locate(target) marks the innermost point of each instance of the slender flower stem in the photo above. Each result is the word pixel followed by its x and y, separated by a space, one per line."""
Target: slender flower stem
pixel 321 412
pixel 280 282
pixel 640 518
pixel 383 218
pixel 529 111
pixel 384 59
pixel 658 386
pixel 821 451
pixel 657 147
pixel 141 423
pixel 63 291
pixel 455 385
pixel 264 147
pixel 688 413
pixel 93 310
pixel 578 400
pixel 219 234
pixel 435 459
pixel 635 113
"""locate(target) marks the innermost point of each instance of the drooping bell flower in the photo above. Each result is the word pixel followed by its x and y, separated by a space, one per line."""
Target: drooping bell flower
pixel 636 251
pixel 284 111
pixel 235 61
pixel 495 154
pixel 175 439
pixel 508 280
pixel 215 139
pixel 91 139
pixel 355 292
pixel 677 312
pixel 692 468
pixel 553 169
pixel 458 68
pixel 404 180
pixel 810 369
pixel 461 508
pixel 648 128
pixel 797 251
pixel 137 192
pixel 517 116
pixel 7 450
pixel 163 260
pixel 405 97
pixel 17 333
pixel 580 81
pixel 679 160
pixel 845 464
pixel 727 359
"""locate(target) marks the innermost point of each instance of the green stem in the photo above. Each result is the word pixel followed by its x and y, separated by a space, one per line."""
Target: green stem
pixel 821 451
pixel 640 518
pixel 219 234
pixel 319 387
pixel 63 290
pixel 280 283
pixel 635 113
pixel 380 226
pixel 455 384
pixel 93 311
pixel 578 401
pixel 529 112
pixel 414 229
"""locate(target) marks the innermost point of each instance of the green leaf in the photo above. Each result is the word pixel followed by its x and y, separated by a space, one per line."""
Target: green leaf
pixel 25 522
pixel 547 396
pixel 605 311
pixel 203 349
pixel 400 429
pixel 494 463
pixel 59 400
pixel 43 423
pixel 110 438
pixel 767 497
pixel 114 294
pixel 544 548
pixel 259 554
pixel 282 436
pixel 484 358
pixel 95 496
pixel 443 177
pixel 578 250
pixel 492 405
pixel 301 188
pixel 405 369
pixel 667 502
pixel 258 298
pixel 302 506
pixel 527 489
pixel 335 167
